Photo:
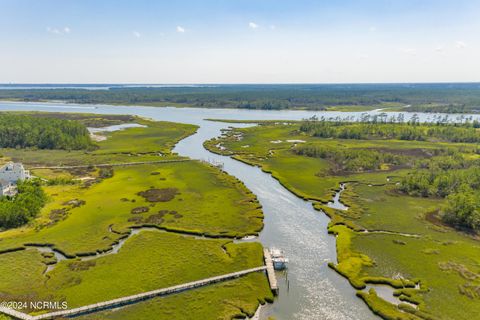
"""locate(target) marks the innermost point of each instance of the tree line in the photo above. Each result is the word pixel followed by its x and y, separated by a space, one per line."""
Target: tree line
pixel 399 131
pixel 20 209
pixel 454 178
pixel 23 131
pixel 445 108
pixel 351 160
pixel 310 96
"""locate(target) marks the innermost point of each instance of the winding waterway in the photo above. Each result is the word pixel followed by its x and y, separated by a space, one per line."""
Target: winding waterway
pixel 310 290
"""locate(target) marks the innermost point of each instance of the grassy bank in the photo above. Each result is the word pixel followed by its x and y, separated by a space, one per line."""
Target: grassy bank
pixel 150 143
pixel 147 261
pixel 196 209
pixel 385 236
pixel 235 299
pixel 205 202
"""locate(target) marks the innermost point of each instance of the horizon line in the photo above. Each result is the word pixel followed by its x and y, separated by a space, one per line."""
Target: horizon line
pixel 229 83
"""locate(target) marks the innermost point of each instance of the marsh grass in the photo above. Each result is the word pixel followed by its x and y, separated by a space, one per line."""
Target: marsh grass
pixel 403 248
pixel 90 216
pixel 210 203
pixel 148 261
pixel 234 299
pixel 157 139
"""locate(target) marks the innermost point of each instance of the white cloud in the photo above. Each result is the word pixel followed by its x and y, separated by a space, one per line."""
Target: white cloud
pixel 372 29
pixel 273 27
pixel 64 30
pixel 460 45
pixel 136 34
pixel 180 29
pixel 409 51
pixel 252 25
pixel 53 30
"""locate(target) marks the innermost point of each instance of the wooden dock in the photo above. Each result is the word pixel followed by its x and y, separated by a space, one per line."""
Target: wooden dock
pixel 129 299
pixel 15 314
pixel 115 164
pixel 272 279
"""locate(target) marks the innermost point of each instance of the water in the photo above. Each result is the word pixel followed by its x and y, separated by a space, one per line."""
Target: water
pixel 98 86
pixel 336 203
pixel 387 293
pixel 59 256
pixel 315 291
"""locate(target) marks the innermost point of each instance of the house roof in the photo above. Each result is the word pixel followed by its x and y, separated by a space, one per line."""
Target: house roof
pixel 11 165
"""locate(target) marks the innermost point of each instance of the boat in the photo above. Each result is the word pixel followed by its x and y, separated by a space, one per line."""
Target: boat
pixel 278 259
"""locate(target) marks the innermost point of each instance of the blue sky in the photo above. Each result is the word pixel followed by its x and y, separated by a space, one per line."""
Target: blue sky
pixel 239 41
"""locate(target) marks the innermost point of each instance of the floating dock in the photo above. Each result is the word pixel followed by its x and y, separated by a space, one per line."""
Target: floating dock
pixel 272 279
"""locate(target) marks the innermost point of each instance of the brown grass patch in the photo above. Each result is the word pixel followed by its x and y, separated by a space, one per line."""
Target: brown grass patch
pixel 139 210
pixel 159 195
pixel 74 203
pixel 155 219
pixel 136 219
pixel 463 271
pixel 470 290
pixel 81 265
pixel 58 214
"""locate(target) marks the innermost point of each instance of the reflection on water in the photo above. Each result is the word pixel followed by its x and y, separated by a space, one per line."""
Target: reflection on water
pixel 310 290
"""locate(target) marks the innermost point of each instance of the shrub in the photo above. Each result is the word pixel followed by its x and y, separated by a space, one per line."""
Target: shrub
pixel 20 209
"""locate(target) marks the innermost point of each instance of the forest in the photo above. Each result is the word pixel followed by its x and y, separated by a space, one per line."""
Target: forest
pixel 23 207
pixel 288 96
pixel 399 131
pixel 442 176
pixel 351 160
pixel 23 131
pixel 446 108
pixel 452 177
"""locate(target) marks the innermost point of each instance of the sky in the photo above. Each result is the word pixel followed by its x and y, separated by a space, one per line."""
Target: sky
pixel 239 41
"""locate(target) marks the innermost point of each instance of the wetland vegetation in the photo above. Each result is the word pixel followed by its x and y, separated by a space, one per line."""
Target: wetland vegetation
pixel 411 192
pixel 90 201
pixel 157 140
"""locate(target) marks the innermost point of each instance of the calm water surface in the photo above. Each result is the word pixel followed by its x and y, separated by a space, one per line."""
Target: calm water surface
pixel 313 290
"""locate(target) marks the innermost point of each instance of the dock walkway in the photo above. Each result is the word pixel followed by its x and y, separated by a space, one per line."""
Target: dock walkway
pixel 117 164
pixel 272 279
pixel 129 299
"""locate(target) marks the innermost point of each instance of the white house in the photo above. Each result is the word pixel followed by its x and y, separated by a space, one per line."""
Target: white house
pixel 10 173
